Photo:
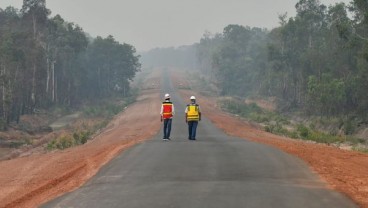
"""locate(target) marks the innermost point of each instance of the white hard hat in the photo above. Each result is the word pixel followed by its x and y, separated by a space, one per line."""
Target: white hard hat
pixel 192 98
pixel 167 96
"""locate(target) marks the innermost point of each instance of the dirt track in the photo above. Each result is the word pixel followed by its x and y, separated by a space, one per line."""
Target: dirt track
pixel 29 181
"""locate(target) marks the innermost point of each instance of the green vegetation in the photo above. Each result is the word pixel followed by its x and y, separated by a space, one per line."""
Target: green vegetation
pixel 104 111
pixel 46 62
pixel 20 142
pixel 315 63
pixel 109 109
pixel 305 133
pixel 3 125
pixel 275 123
pixel 361 149
pixel 64 142
pixel 253 112
pixel 311 133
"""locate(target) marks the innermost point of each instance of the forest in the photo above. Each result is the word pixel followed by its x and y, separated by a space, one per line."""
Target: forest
pixel 313 66
pixel 316 62
pixel 46 61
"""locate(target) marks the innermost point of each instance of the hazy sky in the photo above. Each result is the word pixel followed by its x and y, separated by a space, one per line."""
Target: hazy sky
pixel 147 24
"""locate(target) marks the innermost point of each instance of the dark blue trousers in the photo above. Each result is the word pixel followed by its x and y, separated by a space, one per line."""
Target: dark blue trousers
pixel 167 128
pixel 192 127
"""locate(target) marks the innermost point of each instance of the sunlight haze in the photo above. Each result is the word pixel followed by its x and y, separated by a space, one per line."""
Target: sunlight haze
pixel 165 23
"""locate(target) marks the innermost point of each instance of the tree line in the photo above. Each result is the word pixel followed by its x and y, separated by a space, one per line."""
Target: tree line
pixel 316 61
pixel 46 61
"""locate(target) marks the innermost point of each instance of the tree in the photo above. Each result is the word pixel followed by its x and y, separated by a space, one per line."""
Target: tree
pixel 316 62
pixel 44 62
pixel 111 66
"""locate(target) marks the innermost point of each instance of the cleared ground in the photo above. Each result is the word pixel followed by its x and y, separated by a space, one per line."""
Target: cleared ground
pixel 215 171
pixel 29 181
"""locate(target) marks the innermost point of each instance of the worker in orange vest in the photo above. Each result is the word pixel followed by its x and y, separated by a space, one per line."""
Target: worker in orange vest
pixel 167 113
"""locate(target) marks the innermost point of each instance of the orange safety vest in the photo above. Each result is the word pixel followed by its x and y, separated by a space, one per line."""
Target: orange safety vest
pixel 167 110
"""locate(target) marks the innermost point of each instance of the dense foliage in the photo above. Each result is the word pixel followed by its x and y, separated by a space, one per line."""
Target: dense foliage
pixel 316 61
pixel 47 61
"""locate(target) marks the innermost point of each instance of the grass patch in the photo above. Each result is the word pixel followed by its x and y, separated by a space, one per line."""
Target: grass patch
pixel 360 149
pixel 66 141
pixel 77 138
pixel 19 143
pixel 103 112
pixel 108 109
pixel 278 129
pixel 254 113
pixel 274 123
pixel 305 133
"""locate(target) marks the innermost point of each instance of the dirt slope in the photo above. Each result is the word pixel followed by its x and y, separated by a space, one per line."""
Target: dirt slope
pixel 30 181
pixel 345 171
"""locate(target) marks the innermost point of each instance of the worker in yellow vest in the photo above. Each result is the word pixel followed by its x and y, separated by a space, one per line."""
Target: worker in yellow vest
pixel 192 117
pixel 167 113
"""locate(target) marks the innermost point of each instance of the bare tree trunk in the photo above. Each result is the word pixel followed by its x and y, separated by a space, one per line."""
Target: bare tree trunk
pixel 99 81
pixel 284 87
pixel 9 106
pixel 55 90
pixel 48 71
pixel 2 74
pixel 124 90
pixel 310 37
pixel 69 93
pixel 33 93
pixel 53 80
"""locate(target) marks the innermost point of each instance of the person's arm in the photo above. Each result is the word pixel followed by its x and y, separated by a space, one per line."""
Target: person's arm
pixel 186 114
pixel 173 110
pixel 199 113
pixel 162 109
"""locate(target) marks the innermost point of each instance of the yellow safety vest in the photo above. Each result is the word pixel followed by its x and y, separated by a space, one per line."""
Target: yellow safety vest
pixel 193 112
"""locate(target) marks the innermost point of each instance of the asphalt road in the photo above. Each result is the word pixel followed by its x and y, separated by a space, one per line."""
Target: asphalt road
pixel 214 171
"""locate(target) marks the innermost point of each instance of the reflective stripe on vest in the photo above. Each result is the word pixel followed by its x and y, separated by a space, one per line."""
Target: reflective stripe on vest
pixel 167 110
pixel 193 113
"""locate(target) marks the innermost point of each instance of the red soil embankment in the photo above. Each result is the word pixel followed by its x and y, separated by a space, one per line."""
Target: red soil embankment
pixel 33 180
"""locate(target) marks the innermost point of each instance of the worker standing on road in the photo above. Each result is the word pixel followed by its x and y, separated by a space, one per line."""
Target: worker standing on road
pixel 192 116
pixel 167 113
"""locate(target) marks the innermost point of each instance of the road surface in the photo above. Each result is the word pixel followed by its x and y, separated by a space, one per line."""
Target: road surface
pixel 215 171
